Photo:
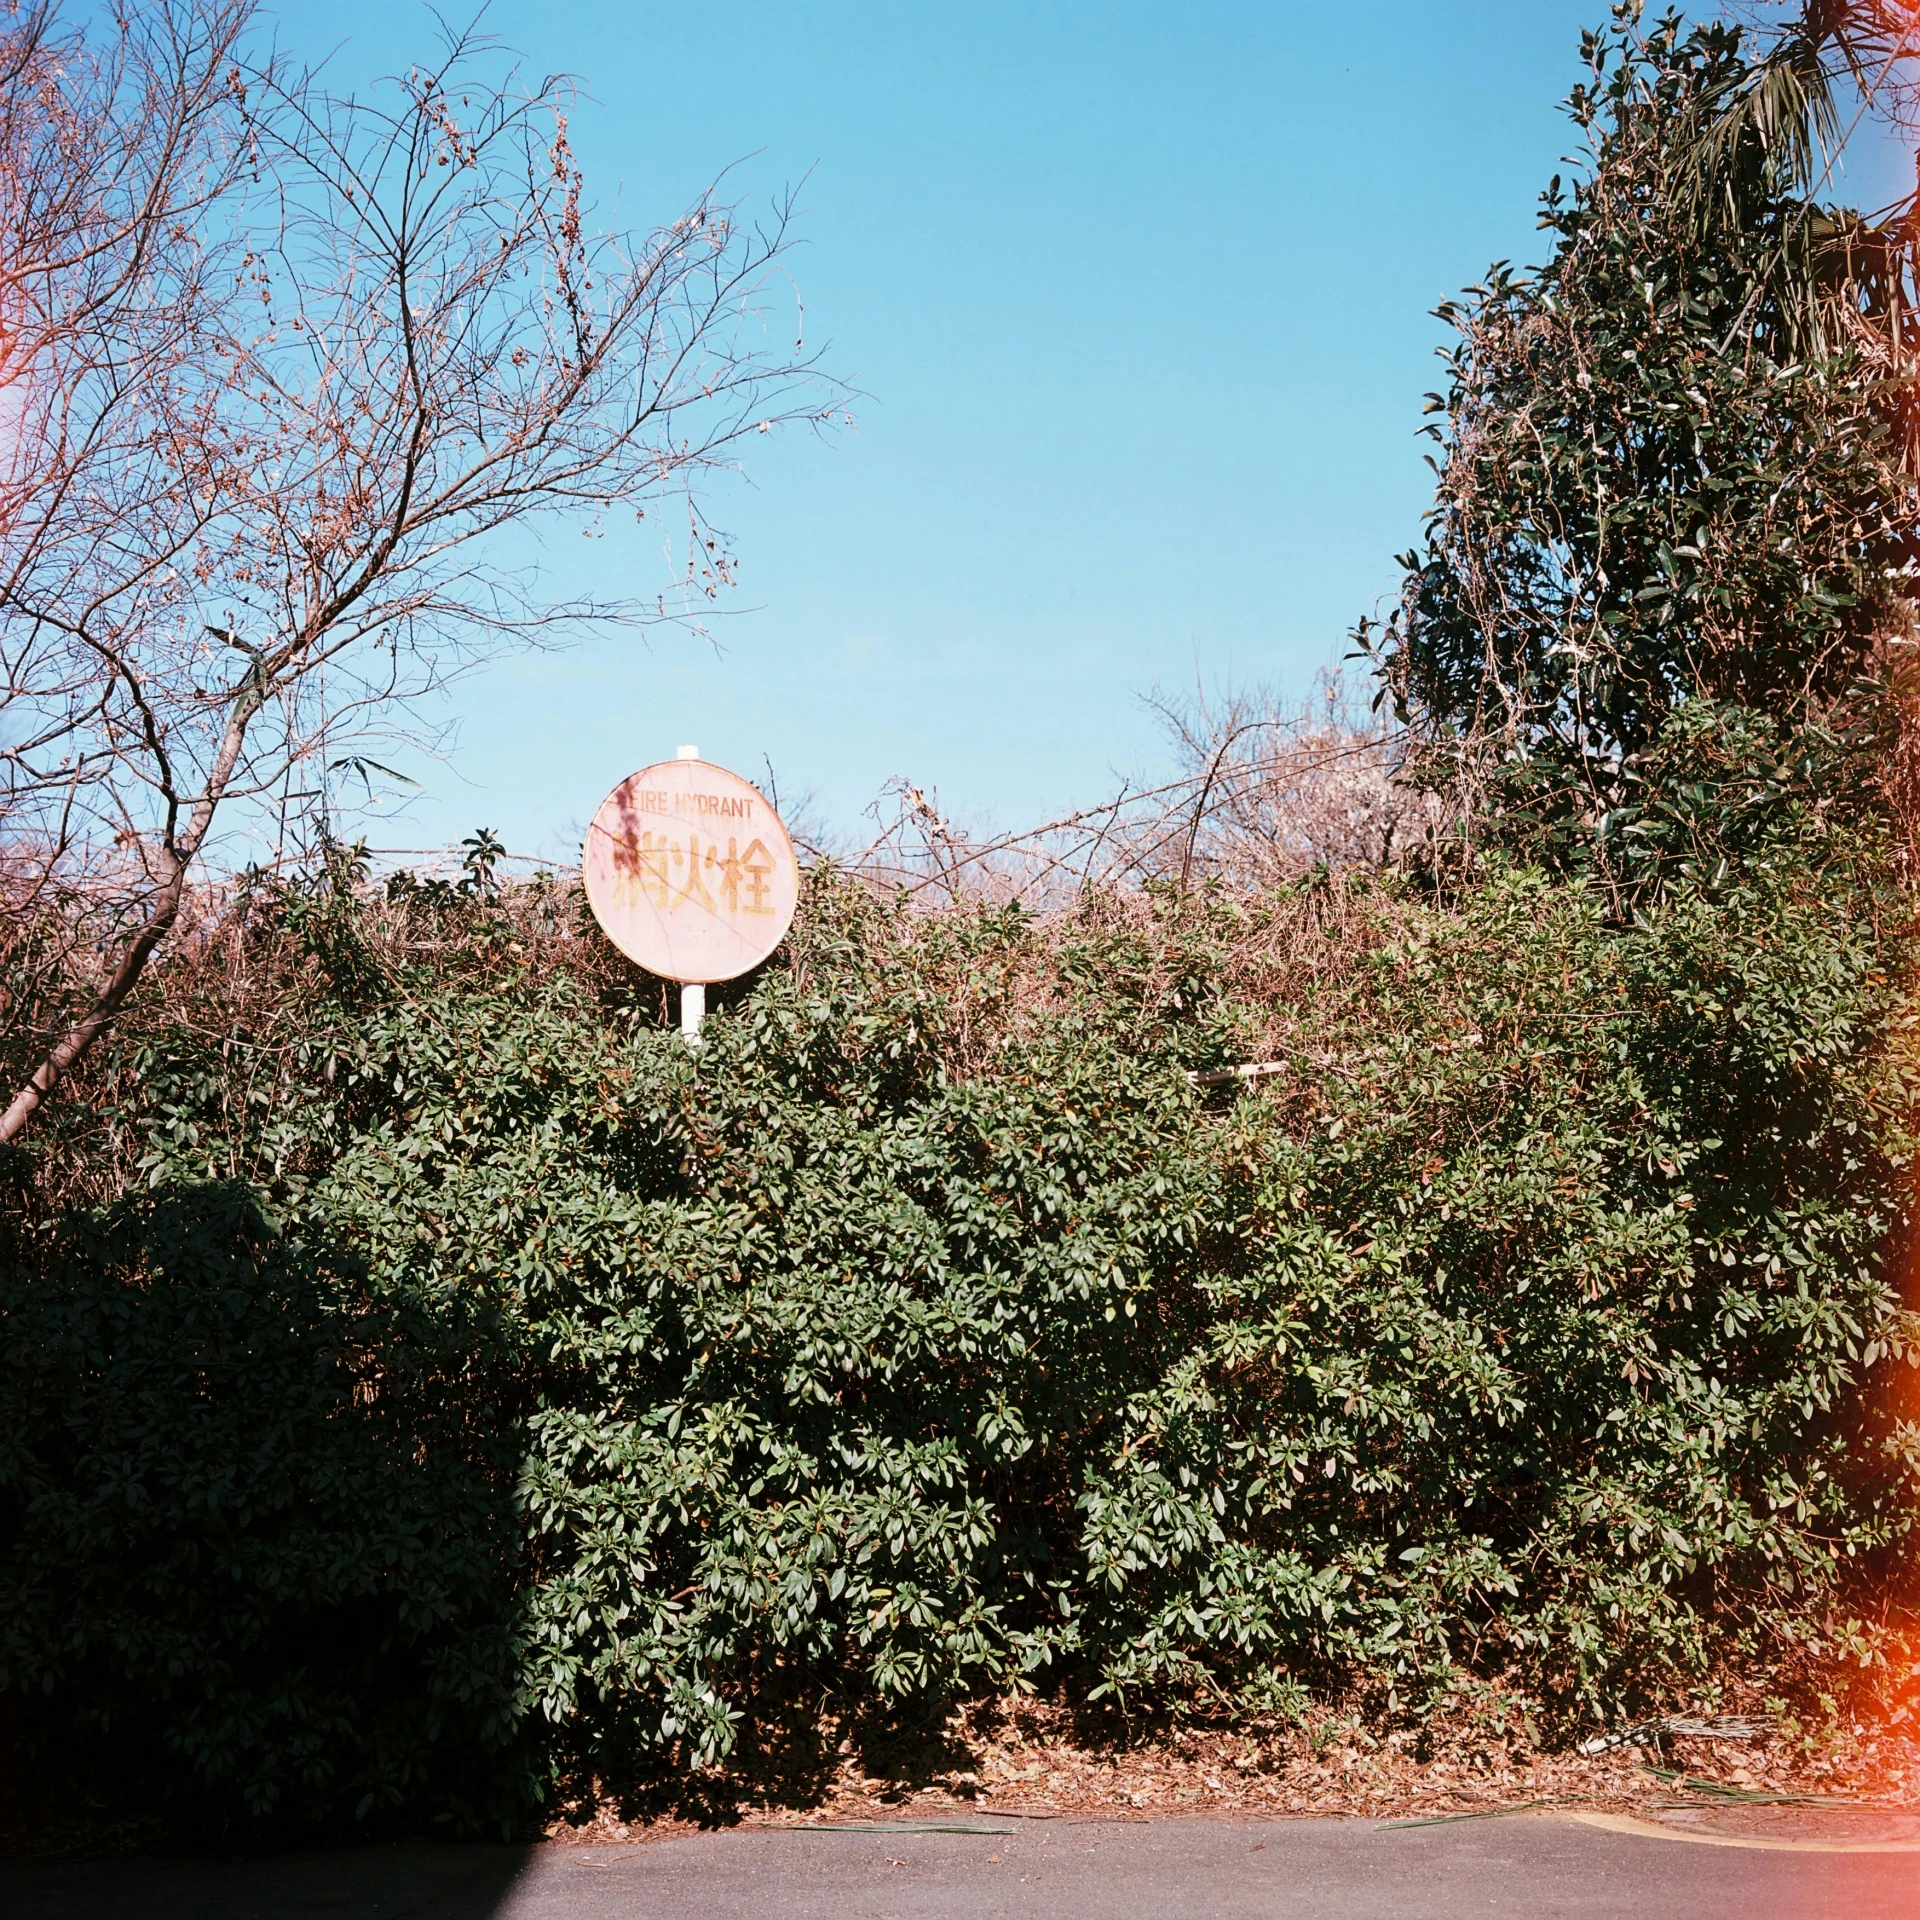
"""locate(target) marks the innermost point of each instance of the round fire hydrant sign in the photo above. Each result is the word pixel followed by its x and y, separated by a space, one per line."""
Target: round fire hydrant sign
pixel 690 871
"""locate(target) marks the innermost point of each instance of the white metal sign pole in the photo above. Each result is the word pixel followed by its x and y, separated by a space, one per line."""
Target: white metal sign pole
pixel 693 993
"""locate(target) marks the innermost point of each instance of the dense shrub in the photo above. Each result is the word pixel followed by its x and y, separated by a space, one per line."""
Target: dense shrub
pixel 932 1331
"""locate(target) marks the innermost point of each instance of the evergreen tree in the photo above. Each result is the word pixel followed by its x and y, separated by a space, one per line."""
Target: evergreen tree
pixel 1673 459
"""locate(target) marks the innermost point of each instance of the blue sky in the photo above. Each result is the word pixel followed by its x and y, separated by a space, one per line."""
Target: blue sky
pixel 1139 298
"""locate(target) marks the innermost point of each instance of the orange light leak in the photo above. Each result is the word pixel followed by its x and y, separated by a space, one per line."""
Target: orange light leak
pixel 1885 1703
pixel 1893 1707
pixel 1889 1704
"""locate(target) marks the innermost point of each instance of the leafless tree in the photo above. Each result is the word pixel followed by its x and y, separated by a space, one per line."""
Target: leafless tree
pixel 280 368
pixel 1280 788
pixel 1265 790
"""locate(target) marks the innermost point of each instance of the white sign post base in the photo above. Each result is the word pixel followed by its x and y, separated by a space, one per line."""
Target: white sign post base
pixel 693 1009
pixel 693 993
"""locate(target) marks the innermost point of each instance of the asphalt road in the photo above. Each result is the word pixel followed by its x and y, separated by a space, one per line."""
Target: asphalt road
pixel 1532 1866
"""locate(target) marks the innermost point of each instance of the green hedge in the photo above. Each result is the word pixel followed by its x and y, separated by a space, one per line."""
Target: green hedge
pixel 479 1390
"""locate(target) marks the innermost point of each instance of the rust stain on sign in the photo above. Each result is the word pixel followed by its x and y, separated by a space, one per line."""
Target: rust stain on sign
pixel 690 871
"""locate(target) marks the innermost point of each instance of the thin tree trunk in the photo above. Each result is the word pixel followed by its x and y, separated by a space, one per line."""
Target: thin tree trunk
pixel 73 1044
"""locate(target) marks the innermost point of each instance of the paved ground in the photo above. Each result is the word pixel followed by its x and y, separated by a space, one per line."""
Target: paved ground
pixel 1532 1866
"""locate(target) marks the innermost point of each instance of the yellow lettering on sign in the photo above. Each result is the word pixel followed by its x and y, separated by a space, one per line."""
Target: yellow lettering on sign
pixel 672 873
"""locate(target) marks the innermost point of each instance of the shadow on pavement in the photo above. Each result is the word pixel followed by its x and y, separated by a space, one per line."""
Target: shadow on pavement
pixel 421 1882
